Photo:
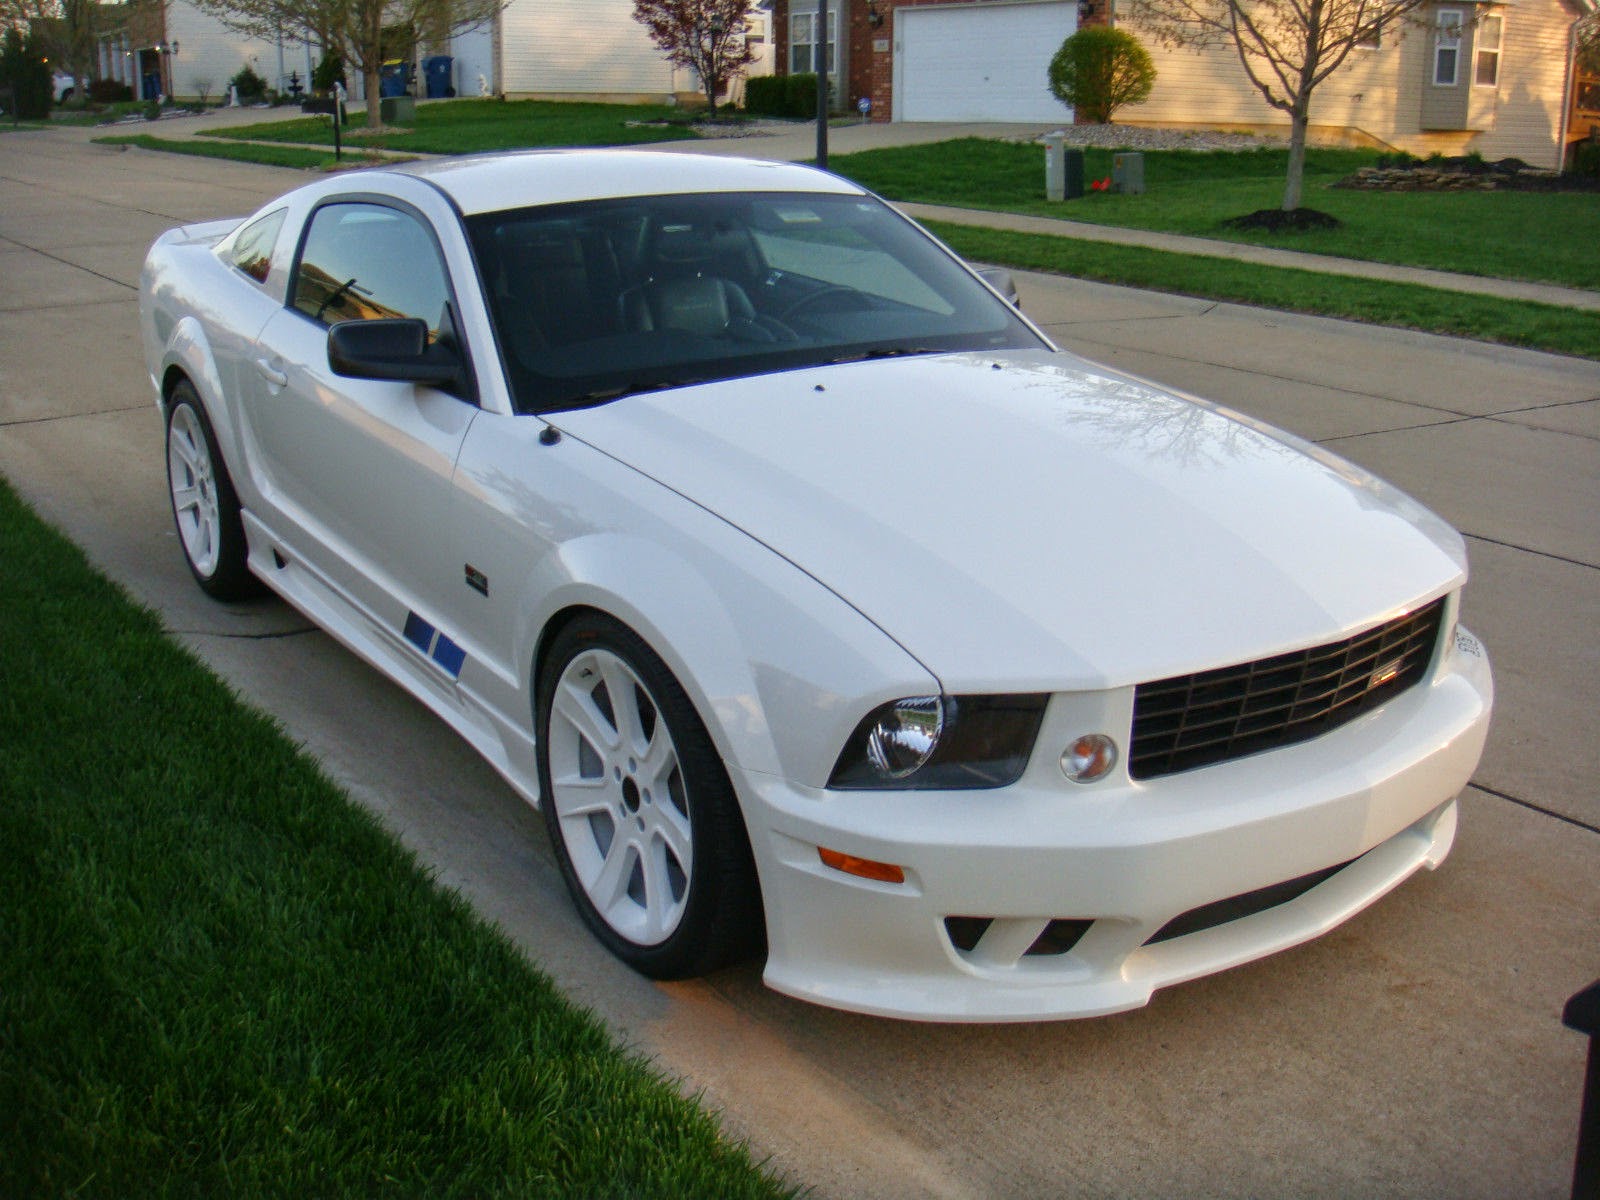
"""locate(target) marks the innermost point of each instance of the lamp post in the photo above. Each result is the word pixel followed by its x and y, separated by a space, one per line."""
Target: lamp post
pixel 821 35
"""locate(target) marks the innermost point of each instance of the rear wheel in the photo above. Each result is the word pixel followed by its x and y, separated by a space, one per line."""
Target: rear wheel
pixel 205 507
pixel 641 814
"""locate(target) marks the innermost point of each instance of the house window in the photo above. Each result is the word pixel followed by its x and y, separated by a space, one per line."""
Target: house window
pixel 1486 73
pixel 803 41
pixel 1446 46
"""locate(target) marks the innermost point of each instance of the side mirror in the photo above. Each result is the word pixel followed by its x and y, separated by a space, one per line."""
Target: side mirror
pixel 393 349
pixel 1000 280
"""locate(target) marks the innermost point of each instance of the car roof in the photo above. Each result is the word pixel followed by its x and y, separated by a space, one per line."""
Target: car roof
pixel 495 182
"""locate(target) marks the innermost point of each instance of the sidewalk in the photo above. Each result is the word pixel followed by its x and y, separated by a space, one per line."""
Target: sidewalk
pixel 798 144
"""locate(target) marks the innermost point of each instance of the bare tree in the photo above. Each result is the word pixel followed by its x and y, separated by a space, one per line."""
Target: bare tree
pixel 354 29
pixel 1287 47
pixel 707 36
pixel 1589 44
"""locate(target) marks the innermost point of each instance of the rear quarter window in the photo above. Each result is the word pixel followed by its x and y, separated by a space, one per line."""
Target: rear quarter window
pixel 252 249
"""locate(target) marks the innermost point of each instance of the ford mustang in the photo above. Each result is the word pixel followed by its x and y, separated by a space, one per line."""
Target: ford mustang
pixel 826 610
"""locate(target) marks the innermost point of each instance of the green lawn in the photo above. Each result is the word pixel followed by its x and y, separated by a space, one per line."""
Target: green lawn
pixel 1547 237
pixel 219 977
pixel 272 156
pixel 465 126
pixel 1403 305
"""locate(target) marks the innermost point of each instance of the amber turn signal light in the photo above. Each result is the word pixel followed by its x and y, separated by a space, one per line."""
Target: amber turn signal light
pixel 865 867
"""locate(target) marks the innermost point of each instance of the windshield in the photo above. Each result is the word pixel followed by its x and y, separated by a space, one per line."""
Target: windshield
pixel 599 299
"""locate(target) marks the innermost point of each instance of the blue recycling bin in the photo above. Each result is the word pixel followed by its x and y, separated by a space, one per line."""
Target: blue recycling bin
pixel 392 78
pixel 436 73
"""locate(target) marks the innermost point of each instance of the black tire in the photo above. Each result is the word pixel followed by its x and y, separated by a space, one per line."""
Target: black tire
pixel 626 818
pixel 205 508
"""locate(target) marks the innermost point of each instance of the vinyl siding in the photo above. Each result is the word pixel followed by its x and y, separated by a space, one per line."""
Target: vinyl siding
pixel 208 50
pixel 1378 95
pixel 582 47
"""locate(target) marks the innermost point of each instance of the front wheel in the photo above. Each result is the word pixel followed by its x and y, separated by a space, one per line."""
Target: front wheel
pixel 205 507
pixel 644 822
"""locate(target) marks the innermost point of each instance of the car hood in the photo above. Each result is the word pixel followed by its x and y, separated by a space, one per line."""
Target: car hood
pixel 1031 522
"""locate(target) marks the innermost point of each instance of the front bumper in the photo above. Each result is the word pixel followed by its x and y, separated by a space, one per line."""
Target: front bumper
pixel 1113 862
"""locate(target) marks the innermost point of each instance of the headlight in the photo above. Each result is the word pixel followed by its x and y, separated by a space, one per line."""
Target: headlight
pixel 941 742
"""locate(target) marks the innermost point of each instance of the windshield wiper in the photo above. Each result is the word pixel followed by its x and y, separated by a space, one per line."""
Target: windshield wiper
pixel 882 352
pixel 606 395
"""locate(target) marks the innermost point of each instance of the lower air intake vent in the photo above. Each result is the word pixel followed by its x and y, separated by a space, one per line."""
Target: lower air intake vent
pixel 1220 912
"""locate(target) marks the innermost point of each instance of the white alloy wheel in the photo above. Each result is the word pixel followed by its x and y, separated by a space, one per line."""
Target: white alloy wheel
pixel 205 508
pixel 620 797
pixel 643 820
pixel 192 478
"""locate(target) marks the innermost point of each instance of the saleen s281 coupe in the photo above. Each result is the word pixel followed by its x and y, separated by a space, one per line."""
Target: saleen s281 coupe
pixel 818 600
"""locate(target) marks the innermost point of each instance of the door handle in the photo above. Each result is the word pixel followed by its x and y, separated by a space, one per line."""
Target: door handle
pixel 271 374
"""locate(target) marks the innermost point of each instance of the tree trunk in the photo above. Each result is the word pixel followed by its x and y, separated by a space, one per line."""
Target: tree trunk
pixel 1300 119
pixel 374 109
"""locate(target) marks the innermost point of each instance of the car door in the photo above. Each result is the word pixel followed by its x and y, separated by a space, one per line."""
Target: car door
pixel 360 470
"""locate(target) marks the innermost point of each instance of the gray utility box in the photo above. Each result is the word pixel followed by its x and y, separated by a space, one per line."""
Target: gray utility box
pixel 1063 169
pixel 397 110
pixel 1127 173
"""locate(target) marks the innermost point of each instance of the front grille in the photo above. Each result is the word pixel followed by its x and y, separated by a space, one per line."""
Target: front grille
pixel 1215 716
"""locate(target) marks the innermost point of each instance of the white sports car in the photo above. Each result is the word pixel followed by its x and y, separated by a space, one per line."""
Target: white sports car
pixel 821 604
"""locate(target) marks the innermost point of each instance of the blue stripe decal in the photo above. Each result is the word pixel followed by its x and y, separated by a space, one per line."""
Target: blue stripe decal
pixel 418 632
pixel 449 656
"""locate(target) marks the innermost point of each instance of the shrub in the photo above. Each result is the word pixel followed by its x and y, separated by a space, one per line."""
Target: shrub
pixel 109 91
pixel 1099 69
pixel 24 71
pixel 763 95
pixel 1586 158
pixel 327 73
pixel 250 86
pixel 789 96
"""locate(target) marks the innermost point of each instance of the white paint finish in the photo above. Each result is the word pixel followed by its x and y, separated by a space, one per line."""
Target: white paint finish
pixel 581 47
pixel 979 63
pixel 799 557
pixel 1020 491
pixel 490 183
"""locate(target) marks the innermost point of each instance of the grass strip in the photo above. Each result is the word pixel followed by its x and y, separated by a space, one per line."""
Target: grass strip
pixel 218 976
pixel 1546 237
pixel 1405 305
pixel 468 126
pixel 269 156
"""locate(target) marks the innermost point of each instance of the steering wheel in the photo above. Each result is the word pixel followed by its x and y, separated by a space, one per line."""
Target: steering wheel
pixel 810 298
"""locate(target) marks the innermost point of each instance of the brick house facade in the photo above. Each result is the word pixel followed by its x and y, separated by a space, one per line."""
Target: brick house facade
pixel 868 38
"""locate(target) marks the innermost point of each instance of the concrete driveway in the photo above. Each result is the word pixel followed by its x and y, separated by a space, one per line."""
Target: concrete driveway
pixel 1415 1051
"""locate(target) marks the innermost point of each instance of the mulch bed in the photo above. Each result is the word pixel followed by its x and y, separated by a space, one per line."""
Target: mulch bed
pixel 1276 220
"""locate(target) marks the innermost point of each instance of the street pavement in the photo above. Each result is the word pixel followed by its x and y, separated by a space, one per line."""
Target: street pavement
pixel 1415 1051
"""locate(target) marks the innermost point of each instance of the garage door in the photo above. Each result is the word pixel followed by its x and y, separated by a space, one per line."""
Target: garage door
pixel 979 63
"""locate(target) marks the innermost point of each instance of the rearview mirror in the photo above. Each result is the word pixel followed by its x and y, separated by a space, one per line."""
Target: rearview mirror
pixel 395 349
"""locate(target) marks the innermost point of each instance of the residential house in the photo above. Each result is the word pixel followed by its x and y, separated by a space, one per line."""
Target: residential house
pixel 556 49
pixel 1492 78
pixel 1454 78
pixel 172 48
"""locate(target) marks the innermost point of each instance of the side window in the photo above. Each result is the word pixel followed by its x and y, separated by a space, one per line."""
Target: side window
pixel 252 249
pixel 1490 30
pixel 1446 46
pixel 365 261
